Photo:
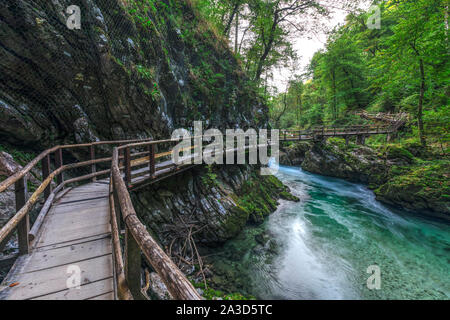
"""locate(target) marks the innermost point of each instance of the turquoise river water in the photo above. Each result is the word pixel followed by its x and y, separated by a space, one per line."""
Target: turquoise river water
pixel 321 247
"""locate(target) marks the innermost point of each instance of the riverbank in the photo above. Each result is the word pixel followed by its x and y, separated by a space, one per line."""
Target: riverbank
pixel 404 175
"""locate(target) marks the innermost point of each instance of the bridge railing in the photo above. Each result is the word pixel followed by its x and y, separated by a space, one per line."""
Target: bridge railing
pixel 137 239
pixel 309 134
pixel 20 221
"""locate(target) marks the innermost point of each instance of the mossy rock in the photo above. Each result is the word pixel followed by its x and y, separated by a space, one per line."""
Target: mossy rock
pixel 424 187
pixel 393 152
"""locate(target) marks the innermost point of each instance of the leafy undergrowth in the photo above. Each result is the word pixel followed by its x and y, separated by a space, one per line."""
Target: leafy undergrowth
pixel 20 157
pixel 212 294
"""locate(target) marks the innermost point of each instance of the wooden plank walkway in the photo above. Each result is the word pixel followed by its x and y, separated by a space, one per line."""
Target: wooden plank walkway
pixel 75 232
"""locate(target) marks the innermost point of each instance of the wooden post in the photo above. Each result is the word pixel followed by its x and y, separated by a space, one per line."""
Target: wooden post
pixel 94 167
pixel 120 224
pixel 133 265
pixel 360 139
pixel 45 174
pixel 127 166
pixel 59 163
pixel 151 153
pixel 121 155
pixel 23 228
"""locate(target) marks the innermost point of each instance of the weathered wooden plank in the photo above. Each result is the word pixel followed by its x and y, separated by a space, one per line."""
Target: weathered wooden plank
pixel 107 296
pixel 72 242
pixel 99 290
pixel 80 203
pixel 63 215
pixel 54 280
pixel 46 259
pixel 40 219
pixel 71 234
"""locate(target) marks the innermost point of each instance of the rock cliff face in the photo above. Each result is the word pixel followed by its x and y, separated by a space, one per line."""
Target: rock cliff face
pixel 215 203
pixel 356 163
pixel 294 154
pixel 134 69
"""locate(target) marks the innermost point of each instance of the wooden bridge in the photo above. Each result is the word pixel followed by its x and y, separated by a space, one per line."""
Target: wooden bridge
pixel 87 240
pixel 321 133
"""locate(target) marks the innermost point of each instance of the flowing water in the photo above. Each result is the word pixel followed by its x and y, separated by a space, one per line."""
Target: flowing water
pixel 326 242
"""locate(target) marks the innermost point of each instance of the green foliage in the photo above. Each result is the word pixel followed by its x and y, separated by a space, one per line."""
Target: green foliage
pixel 379 70
pixel 22 158
pixel 210 178
pixel 212 294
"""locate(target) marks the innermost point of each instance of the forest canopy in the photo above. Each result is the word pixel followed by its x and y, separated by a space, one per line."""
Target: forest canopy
pixel 402 66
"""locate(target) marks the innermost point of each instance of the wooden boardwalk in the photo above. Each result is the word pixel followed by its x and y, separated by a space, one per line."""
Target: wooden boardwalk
pixel 75 232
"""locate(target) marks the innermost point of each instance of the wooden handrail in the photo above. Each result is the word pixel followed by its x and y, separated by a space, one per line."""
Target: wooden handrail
pixel 15 220
pixel 21 173
pixel 123 291
pixel 179 287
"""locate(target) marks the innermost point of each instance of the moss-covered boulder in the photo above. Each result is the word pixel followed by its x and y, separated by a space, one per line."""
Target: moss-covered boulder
pixel 258 196
pixel 424 187
pixel 400 174
pixel 294 153
pixel 353 163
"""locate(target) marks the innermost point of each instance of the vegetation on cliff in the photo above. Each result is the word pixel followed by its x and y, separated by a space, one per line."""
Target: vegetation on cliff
pixel 135 69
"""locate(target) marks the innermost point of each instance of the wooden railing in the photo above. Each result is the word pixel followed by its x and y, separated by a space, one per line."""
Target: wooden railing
pixel 138 240
pixel 318 132
pixel 21 221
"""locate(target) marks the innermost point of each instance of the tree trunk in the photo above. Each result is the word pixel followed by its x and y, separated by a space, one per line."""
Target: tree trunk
pixel 227 29
pixel 263 58
pixel 420 108
pixel 267 48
